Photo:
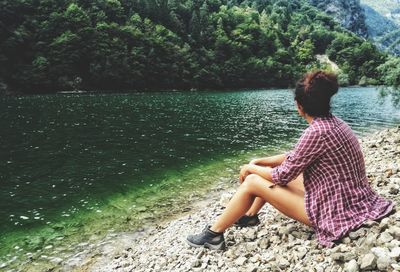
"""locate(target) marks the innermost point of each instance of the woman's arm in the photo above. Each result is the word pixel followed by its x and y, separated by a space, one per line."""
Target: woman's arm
pixel 272 161
pixel 262 171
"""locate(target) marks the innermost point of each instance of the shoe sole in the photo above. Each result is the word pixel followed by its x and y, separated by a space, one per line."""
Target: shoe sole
pixel 247 225
pixel 220 246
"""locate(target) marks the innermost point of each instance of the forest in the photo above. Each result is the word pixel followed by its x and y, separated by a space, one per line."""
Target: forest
pixel 48 46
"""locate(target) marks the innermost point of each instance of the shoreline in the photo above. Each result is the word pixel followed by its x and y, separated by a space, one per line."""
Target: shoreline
pixel 278 243
pixel 125 92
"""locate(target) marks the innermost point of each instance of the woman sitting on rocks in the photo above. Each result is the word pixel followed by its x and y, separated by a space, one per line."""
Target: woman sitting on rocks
pixel 321 183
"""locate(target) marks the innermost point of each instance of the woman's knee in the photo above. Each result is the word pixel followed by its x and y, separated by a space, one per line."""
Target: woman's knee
pixel 250 181
pixel 253 182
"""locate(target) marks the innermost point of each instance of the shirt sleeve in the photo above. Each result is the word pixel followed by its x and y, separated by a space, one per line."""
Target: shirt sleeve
pixel 309 148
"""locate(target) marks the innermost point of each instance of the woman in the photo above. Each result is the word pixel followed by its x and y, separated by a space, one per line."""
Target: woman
pixel 321 183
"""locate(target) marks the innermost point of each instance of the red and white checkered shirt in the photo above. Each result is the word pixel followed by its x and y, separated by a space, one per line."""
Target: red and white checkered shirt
pixel 338 197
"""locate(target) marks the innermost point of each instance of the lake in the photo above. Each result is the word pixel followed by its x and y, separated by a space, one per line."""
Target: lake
pixel 74 167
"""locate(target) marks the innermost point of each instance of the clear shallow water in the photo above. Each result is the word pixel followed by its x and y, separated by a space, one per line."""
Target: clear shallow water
pixel 66 160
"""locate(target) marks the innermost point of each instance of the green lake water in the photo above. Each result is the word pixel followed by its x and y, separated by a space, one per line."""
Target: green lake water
pixel 74 167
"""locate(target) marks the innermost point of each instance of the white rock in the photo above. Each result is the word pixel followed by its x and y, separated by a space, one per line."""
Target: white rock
pixel 301 252
pixel 251 234
pixel 368 261
pixel 385 238
pixel 240 261
pixel 383 262
pixel 395 266
pixel 395 253
pixel 380 251
pixel 351 266
pixel 395 231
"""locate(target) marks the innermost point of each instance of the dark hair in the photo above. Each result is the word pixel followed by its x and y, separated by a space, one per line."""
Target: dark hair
pixel 314 91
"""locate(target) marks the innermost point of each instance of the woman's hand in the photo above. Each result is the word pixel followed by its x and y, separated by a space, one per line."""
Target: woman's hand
pixel 244 172
pixel 254 161
pixel 263 171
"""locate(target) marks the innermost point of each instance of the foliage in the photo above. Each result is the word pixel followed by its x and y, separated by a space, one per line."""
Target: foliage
pixel 390 71
pixel 51 45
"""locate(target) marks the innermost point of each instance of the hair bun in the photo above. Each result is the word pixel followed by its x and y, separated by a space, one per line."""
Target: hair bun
pixel 321 81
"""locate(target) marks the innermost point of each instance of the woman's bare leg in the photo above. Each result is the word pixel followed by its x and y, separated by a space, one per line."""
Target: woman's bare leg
pixel 259 202
pixel 288 199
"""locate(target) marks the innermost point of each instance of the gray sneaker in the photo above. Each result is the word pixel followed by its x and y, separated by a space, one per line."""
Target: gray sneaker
pixel 208 239
pixel 248 221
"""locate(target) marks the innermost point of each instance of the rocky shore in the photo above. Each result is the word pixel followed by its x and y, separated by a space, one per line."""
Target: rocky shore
pixel 277 244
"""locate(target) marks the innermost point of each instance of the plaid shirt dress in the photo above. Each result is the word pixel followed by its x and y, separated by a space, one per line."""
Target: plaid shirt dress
pixel 338 197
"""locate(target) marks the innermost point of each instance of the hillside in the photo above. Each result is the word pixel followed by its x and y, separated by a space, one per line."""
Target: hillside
pixel 349 14
pixel 390 9
pixel 111 45
pixel 383 23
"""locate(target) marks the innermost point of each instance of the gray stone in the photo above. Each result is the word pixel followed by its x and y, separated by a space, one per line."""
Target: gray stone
pixel 256 258
pixel 343 257
pixel 368 261
pixel 291 228
pixel 351 266
pixel 346 240
pixel 275 239
pixel 357 234
pixel 283 263
pixel 251 246
pixel 301 252
pixel 384 224
pixel 283 230
pixel 230 253
pixel 251 234
pixel 370 240
pixel 263 243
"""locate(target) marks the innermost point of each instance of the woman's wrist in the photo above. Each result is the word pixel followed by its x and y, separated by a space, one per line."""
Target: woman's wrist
pixel 262 171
